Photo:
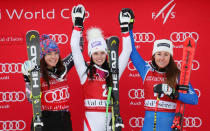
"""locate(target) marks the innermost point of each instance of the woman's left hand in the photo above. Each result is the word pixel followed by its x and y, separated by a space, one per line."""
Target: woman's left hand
pixel 167 90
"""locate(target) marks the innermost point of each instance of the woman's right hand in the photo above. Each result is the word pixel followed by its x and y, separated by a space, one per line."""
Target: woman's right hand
pixel 78 15
pixel 27 66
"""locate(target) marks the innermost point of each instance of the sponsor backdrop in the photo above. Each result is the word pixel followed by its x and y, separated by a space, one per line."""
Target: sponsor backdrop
pixel 155 19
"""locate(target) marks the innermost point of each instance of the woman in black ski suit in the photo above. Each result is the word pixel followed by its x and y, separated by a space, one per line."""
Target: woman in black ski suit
pixel 54 86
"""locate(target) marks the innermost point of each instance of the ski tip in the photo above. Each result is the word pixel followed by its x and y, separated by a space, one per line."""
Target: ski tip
pixel 112 40
pixel 112 37
pixel 31 31
pixel 189 42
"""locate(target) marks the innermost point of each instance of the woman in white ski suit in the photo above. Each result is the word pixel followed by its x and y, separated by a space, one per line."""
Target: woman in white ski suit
pixel 93 77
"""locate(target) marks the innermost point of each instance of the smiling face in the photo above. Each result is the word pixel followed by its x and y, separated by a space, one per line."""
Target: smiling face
pixel 162 59
pixel 99 57
pixel 51 59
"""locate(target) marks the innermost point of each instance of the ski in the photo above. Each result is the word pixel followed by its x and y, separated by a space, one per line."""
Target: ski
pixel 113 45
pixel 187 59
pixel 33 50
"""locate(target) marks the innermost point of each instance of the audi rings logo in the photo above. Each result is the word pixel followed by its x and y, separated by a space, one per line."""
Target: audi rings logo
pixel 87 14
pixel 195 64
pixel 10 67
pixel 59 38
pixel 181 36
pixel 12 96
pixel 12 125
pixel 192 122
pixel 131 67
pixel 198 92
pixel 136 93
pixel 57 95
pixel 144 37
pixel 136 121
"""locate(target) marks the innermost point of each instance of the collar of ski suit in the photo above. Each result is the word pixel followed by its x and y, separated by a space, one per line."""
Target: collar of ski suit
pixel 155 67
pixel 101 72
pixel 53 73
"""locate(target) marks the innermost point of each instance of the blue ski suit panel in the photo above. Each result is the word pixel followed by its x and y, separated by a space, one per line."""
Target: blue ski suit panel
pixel 164 119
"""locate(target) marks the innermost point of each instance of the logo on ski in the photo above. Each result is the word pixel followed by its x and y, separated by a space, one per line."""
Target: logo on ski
pixel 36 101
pixel 34 73
pixel 32 37
pixel 113 42
pixel 189 44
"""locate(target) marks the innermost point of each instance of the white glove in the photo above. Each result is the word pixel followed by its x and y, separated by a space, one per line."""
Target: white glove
pixel 78 15
pixel 124 19
pixel 167 89
pixel 27 66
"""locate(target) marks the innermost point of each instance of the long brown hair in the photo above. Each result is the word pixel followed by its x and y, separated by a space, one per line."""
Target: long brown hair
pixel 172 71
pixel 44 70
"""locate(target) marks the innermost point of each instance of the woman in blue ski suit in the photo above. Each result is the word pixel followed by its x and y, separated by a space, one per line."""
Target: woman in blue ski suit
pixel 160 80
pixel 161 76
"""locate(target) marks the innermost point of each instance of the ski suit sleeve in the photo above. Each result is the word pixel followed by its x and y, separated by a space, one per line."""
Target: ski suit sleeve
pixel 189 98
pixel 78 59
pixel 141 66
pixel 125 54
pixel 68 60
pixel 27 88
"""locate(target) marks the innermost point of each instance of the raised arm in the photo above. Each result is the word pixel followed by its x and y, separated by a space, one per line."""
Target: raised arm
pixel 68 60
pixel 139 63
pixel 124 20
pixel 78 13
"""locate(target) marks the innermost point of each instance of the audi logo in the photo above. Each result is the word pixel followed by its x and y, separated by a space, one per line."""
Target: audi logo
pixel 198 92
pixel 87 14
pixel 195 65
pixel 12 96
pixel 59 38
pixel 12 125
pixel 10 67
pixel 181 36
pixel 144 37
pixel 136 121
pixel 131 67
pixel 187 122
pixel 57 95
pixel 136 93
pixel 192 122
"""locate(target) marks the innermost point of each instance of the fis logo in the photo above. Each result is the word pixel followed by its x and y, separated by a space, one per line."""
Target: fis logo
pixel 166 12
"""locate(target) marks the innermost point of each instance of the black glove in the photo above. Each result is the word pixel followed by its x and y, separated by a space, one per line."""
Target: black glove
pixel 118 123
pixel 184 88
pixel 167 90
pixel 78 15
pixel 132 17
pixel 124 20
